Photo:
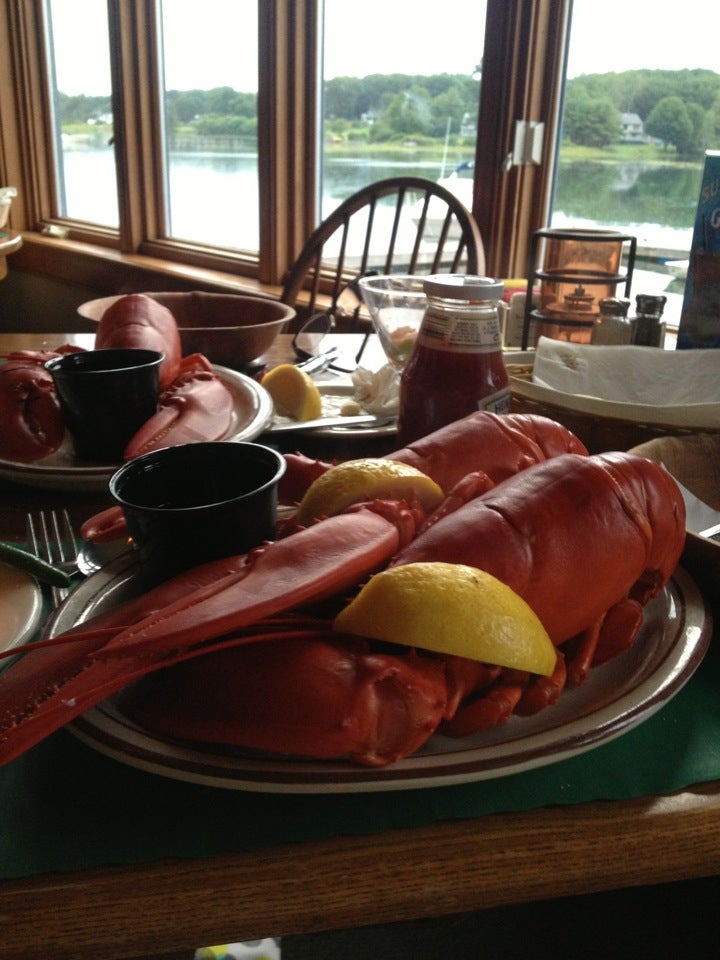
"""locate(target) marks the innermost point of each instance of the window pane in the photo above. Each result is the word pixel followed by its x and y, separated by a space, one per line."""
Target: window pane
pixel 642 102
pixel 400 95
pixel 210 68
pixel 80 68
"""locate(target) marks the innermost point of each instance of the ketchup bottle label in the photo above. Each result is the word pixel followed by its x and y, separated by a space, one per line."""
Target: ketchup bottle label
pixel 446 331
pixel 498 402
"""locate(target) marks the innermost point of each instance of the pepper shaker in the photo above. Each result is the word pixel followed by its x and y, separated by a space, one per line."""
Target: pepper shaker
pixel 648 327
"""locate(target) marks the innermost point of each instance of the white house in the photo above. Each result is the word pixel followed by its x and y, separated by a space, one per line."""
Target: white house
pixel 631 129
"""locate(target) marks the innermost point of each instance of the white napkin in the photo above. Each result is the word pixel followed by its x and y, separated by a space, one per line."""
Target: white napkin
pixel 680 387
pixel 378 391
pixel 629 374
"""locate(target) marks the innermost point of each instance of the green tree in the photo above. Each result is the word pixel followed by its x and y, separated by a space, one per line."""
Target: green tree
pixel 221 101
pixel 670 122
pixel 700 120
pixel 591 122
pixel 639 91
pixel 185 105
pixel 81 108
pixel 713 123
pixel 449 104
pixel 408 114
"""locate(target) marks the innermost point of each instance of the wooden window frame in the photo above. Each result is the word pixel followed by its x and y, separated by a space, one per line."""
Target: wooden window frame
pixel 523 66
pixel 523 78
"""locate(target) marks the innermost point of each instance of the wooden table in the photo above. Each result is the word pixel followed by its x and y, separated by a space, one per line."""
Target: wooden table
pixel 153 908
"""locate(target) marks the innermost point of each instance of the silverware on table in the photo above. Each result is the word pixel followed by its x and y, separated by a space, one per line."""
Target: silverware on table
pixel 319 363
pixel 712 533
pixel 51 537
pixel 363 420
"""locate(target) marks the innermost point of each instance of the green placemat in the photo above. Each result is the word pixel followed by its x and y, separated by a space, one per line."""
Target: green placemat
pixel 65 807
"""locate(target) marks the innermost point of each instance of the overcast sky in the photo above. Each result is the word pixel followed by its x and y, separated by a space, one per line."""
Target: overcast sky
pixel 383 36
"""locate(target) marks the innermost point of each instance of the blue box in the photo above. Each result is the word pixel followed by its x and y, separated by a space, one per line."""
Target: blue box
pixel 700 317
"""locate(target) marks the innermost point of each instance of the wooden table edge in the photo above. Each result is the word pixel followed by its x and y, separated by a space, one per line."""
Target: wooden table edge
pixel 442 869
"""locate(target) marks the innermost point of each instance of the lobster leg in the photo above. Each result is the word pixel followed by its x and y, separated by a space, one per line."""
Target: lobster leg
pixel 619 629
pixel 543 692
pixel 491 706
pixel 103 527
pixel 581 653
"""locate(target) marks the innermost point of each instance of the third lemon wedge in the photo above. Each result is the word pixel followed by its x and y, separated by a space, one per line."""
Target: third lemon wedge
pixel 452 609
pixel 294 393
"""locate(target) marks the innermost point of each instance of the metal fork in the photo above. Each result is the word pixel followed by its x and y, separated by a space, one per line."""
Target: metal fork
pixel 51 537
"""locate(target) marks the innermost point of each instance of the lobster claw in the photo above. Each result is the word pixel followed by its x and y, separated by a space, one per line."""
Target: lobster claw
pixel 105 526
pixel 31 423
pixel 325 696
pixel 140 321
pixel 196 406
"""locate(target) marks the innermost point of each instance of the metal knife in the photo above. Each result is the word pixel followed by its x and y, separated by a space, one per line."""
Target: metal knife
pixel 363 420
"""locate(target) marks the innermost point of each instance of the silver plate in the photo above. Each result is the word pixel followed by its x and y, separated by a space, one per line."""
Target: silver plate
pixel 616 697
pixel 252 411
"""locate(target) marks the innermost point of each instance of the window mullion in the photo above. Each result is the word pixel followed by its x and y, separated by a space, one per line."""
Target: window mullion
pixel 287 135
pixel 522 78
pixel 28 152
pixel 137 121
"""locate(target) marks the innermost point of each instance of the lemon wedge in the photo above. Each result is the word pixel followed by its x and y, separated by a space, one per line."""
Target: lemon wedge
pixel 294 393
pixel 452 609
pixel 368 478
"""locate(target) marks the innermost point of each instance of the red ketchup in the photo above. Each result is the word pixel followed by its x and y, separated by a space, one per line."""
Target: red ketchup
pixel 456 366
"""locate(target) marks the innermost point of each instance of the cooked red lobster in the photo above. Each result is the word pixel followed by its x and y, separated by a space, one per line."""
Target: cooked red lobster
pixel 194 403
pixel 586 541
pixel 31 422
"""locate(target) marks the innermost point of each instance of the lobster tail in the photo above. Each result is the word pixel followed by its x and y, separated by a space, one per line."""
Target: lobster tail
pixel 499 445
pixel 652 498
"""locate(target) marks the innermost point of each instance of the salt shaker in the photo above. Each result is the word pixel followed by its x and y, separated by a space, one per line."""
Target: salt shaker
pixel 613 325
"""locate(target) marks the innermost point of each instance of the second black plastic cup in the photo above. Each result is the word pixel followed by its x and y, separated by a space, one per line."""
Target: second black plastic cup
pixel 195 502
pixel 105 397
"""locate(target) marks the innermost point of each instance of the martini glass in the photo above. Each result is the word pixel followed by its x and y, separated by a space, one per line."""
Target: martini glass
pixel 396 304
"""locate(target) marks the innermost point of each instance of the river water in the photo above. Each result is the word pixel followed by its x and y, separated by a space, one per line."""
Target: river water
pixel 214 199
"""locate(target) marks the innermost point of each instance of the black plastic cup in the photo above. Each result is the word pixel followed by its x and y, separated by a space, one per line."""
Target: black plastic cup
pixel 196 502
pixel 105 397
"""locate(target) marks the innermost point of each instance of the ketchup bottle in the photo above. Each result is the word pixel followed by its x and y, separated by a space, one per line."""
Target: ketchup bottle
pixel 456 366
